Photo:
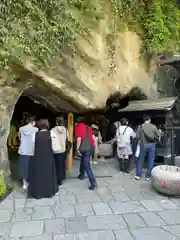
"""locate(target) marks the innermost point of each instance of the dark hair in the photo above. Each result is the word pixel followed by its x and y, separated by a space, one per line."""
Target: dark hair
pixel 146 118
pixel 80 120
pixel 60 121
pixel 43 124
pixel 124 121
pixel 29 120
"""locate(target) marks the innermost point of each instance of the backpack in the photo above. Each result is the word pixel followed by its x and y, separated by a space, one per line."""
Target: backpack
pixel 85 143
pixel 122 140
pixel 56 146
pixel 149 137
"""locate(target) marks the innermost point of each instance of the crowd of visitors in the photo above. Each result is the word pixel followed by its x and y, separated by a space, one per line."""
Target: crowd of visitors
pixel 43 152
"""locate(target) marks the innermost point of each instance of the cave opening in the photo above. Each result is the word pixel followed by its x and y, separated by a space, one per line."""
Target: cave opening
pixel 25 107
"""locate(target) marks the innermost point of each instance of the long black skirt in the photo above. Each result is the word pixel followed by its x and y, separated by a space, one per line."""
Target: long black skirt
pixel 42 175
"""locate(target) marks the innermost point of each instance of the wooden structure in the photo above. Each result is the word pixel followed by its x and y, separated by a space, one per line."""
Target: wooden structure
pixel 163 113
pixel 71 134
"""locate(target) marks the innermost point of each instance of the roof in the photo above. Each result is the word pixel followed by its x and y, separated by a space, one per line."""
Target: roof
pixel 150 104
pixel 173 61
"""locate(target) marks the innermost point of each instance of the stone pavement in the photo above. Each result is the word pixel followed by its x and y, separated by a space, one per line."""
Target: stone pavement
pixel 120 209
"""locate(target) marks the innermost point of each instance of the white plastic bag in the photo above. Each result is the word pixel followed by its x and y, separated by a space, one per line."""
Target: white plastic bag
pixel 137 150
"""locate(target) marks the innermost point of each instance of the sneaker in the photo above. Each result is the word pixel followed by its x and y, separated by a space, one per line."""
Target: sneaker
pixel 148 178
pixel 25 187
pixel 95 162
pixel 137 177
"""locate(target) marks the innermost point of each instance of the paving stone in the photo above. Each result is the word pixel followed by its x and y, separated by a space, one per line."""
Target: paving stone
pixel 64 211
pixel 42 213
pixel 41 202
pixel 101 209
pixel 22 214
pixel 152 219
pixel 88 197
pixel 27 229
pixel 4 230
pixel 123 235
pixel 7 204
pixel 83 210
pixel 105 195
pixel 19 193
pixel 19 202
pixel 41 237
pixel 97 235
pixel 106 222
pixel 167 204
pixel 55 226
pixel 65 237
pixel 127 207
pixel 75 225
pixel 151 205
pixel 135 195
pixel 173 229
pixel 67 199
pixel 133 220
pixel 151 194
pixel 176 200
pixel 170 217
pixel 121 196
pixel 151 233
pixel 115 188
pixel 5 215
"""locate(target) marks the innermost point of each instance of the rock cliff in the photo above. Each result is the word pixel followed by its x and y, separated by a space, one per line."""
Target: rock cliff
pixel 106 56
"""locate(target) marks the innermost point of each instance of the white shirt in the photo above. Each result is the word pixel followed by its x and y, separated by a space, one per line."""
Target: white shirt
pixel 128 132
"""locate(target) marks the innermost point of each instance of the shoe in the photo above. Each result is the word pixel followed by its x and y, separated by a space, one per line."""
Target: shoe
pixel 81 177
pixel 95 162
pixel 92 186
pixel 148 178
pixel 25 187
pixel 137 177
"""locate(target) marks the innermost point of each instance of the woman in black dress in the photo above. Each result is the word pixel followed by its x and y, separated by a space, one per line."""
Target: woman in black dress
pixel 42 176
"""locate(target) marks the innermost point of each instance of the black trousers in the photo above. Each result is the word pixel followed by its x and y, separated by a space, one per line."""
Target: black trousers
pixel 60 159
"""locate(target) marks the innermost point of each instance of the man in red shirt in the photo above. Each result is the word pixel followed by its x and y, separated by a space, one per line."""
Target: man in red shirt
pixel 84 149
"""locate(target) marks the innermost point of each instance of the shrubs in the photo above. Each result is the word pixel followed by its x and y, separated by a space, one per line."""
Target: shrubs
pixel 3 186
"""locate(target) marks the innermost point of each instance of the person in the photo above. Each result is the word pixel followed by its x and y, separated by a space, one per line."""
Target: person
pixel 26 149
pixel 147 134
pixel 60 155
pixel 97 139
pixel 25 116
pixel 84 149
pixel 42 175
pixel 124 133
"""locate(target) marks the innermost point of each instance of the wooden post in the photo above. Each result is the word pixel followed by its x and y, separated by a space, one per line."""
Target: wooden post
pixel 71 133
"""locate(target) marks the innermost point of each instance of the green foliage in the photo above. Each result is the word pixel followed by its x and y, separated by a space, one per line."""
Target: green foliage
pixel 3 186
pixel 157 22
pixel 43 29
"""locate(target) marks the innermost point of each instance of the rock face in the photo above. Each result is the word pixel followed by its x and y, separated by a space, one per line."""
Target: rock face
pixel 84 82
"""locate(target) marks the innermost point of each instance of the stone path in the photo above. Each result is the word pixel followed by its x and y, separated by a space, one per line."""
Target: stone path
pixel 120 209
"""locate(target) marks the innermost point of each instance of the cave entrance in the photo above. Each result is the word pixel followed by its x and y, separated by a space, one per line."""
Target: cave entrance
pixel 24 107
